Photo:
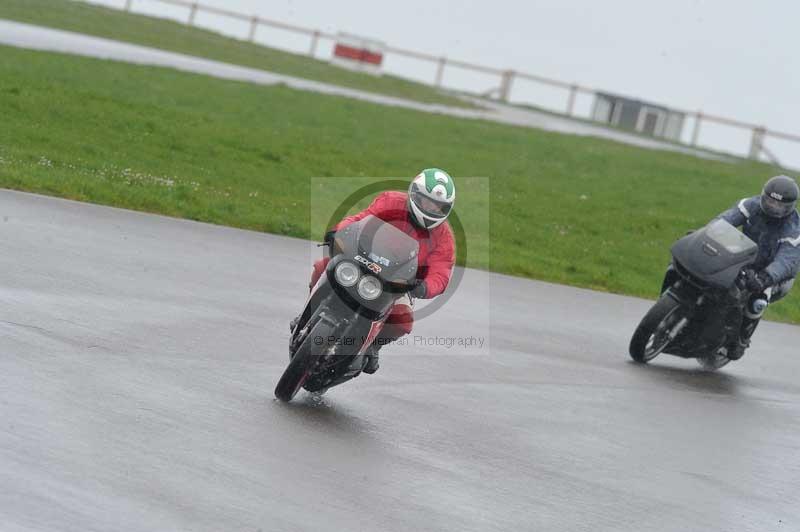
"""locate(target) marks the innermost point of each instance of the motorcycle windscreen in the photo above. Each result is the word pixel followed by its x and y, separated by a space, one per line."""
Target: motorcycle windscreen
pixel 391 249
pixel 716 253
pixel 730 238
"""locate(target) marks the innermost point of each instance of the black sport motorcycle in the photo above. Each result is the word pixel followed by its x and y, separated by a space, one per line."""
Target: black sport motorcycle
pixel 699 313
pixel 373 264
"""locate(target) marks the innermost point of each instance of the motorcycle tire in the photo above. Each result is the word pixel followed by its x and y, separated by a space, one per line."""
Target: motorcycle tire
pixel 645 344
pixel 301 364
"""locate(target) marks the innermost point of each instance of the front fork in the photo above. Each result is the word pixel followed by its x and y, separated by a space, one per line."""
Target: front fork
pixel 689 299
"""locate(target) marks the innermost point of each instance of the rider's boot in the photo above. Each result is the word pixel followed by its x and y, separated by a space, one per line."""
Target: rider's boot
pixel 746 332
pixel 373 362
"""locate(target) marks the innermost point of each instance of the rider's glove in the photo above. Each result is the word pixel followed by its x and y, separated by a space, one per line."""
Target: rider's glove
pixel 757 281
pixel 420 290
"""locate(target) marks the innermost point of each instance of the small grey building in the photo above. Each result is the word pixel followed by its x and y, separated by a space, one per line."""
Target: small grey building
pixel 636 115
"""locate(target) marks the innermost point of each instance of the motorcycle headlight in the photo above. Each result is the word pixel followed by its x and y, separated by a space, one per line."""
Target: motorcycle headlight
pixel 346 274
pixel 369 287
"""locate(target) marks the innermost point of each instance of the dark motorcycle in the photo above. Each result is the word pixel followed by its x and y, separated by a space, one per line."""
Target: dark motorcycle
pixel 703 298
pixel 373 264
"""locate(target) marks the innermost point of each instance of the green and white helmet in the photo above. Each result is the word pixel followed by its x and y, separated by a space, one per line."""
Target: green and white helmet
pixel 430 197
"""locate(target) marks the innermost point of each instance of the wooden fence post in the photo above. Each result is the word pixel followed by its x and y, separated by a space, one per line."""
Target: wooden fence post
pixel 440 71
pixel 696 133
pixel 506 81
pixel 757 142
pixel 192 13
pixel 253 27
pixel 312 51
pixel 573 91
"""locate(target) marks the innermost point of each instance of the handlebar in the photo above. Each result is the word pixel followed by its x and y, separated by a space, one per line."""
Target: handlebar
pixel 741 280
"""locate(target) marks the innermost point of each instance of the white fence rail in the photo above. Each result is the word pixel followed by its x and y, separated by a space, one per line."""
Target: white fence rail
pixel 505 78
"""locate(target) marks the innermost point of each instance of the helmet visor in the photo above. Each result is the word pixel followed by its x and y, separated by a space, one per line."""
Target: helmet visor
pixel 776 208
pixel 429 206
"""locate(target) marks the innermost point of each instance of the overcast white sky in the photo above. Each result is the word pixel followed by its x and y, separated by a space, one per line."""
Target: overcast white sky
pixel 733 58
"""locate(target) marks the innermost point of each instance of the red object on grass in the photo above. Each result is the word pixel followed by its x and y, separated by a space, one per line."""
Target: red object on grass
pixel 358 54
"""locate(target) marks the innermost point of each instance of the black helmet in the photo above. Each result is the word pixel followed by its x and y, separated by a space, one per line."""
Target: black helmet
pixel 779 197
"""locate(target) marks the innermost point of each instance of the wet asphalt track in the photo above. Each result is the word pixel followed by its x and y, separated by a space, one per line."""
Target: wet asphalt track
pixel 138 356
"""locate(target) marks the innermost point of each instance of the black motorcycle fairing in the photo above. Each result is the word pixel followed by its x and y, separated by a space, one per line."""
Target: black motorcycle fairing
pixel 325 301
pixel 383 247
pixel 372 310
pixel 322 291
pixel 671 276
pixel 702 280
pixel 715 254
pixel 378 249
pixel 340 353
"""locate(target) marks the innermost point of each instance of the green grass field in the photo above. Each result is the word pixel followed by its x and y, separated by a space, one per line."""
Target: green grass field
pixel 575 210
pixel 168 35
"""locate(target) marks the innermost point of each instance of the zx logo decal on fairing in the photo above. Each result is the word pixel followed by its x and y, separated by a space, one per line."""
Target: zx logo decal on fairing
pixel 371 266
pixel 380 260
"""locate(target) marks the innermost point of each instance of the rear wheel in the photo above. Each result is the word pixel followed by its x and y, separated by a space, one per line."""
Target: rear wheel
pixel 656 330
pixel 302 363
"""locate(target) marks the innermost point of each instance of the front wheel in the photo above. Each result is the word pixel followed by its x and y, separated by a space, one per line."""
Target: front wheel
pixel 302 363
pixel 658 328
